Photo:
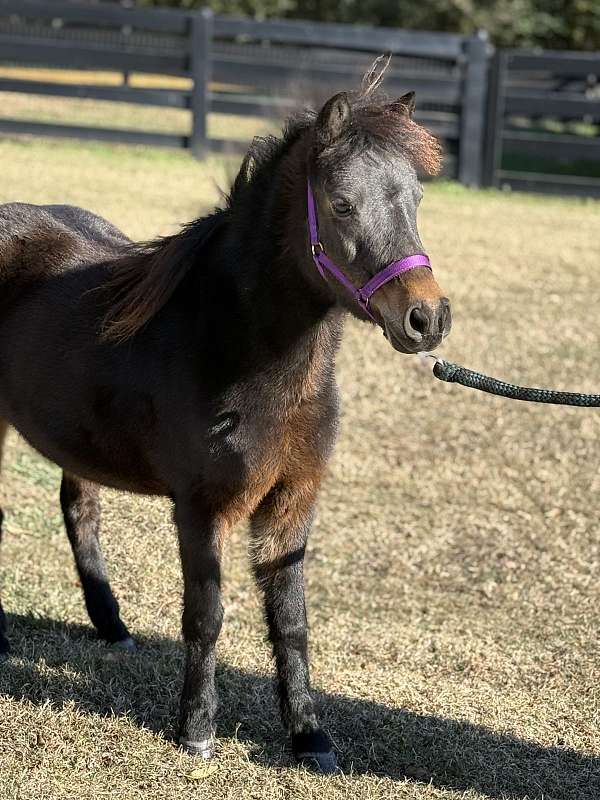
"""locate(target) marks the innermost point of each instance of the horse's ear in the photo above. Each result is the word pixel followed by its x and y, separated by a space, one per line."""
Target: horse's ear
pixel 333 119
pixel 404 105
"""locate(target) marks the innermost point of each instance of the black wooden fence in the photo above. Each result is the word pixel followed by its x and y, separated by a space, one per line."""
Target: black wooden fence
pixel 544 122
pixel 106 37
pixel 307 62
pixel 241 66
pixel 522 119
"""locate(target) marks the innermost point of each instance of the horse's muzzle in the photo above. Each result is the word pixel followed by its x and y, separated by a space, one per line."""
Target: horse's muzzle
pixel 422 328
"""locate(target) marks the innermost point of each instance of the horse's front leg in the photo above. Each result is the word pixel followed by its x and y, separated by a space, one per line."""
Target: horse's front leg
pixel 279 530
pixel 200 543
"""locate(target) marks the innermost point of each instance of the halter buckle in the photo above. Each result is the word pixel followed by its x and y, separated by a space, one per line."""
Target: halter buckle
pixel 316 249
pixel 362 300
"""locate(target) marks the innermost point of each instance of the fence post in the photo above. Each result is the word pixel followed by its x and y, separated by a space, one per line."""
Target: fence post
pixel 201 29
pixel 472 123
pixel 495 119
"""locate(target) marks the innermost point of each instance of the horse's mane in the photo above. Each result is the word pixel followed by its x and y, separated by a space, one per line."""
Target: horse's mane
pixel 147 275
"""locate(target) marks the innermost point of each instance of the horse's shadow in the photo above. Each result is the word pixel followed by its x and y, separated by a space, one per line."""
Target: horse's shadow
pixel 372 738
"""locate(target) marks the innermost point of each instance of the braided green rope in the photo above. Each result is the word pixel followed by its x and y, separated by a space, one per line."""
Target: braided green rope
pixel 453 373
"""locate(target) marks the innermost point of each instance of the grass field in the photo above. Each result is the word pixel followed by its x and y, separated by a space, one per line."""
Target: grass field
pixel 452 573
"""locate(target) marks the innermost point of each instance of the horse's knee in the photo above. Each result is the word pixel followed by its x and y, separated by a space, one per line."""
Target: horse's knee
pixel 290 635
pixel 280 527
pixel 202 626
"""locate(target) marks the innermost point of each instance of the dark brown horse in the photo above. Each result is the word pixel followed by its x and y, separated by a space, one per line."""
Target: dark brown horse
pixel 201 367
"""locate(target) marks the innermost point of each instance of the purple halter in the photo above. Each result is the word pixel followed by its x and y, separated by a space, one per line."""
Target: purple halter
pixel 323 262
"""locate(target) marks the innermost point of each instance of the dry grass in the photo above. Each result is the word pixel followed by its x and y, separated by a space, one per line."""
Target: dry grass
pixel 452 573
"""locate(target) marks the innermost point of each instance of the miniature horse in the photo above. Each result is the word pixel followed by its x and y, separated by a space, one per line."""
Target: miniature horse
pixel 201 366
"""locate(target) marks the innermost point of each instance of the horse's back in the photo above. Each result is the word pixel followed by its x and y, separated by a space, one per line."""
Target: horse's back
pixel 44 240
pixel 89 225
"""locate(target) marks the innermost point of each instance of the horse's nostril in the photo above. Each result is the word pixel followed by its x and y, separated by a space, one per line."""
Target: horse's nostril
pixel 427 322
pixel 418 321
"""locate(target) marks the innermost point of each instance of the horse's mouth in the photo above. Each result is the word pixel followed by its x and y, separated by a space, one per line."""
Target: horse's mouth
pixel 409 347
pixel 401 344
pixel 396 343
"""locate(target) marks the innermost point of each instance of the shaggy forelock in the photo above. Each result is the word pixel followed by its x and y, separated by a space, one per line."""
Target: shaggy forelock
pixel 374 123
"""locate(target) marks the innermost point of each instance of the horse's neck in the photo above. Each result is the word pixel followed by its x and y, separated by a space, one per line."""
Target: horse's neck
pixel 254 281
pixel 296 314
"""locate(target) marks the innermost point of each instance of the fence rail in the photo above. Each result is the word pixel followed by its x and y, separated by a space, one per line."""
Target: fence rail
pixel 346 37
pixel 542 124
pixel 231 71
pixel 161 20
pixel 490 110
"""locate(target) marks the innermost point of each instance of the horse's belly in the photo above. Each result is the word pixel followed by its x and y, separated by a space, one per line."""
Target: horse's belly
pixel 72 436
pixel 54 396
pixel 122 468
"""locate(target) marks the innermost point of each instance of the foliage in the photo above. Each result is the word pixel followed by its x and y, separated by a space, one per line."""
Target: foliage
pixel 571 24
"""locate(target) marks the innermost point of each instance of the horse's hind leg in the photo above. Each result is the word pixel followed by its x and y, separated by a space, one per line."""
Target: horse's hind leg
pixel 4 645
pixel 81 510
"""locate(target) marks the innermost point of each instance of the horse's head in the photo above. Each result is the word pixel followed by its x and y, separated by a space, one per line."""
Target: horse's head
pixel 363 168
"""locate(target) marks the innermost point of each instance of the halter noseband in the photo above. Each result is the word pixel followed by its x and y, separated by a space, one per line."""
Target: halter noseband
pixel 323 262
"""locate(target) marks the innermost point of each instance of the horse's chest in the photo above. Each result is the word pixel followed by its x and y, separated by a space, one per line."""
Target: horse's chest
pixel 290 450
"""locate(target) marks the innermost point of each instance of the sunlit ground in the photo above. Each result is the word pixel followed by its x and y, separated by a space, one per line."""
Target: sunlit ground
pixel 453 570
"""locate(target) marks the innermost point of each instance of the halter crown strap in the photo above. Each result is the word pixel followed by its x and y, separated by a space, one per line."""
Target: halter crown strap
pixel 325 264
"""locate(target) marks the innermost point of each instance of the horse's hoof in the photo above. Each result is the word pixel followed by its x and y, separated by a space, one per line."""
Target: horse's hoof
pixel 325 763
pixel 204 748
pixel 124 645
pixel 314 750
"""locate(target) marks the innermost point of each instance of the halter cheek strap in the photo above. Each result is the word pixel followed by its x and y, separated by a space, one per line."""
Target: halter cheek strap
pixel 324 264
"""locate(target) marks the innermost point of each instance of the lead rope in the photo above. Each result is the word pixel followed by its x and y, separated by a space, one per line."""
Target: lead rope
pixel 454 373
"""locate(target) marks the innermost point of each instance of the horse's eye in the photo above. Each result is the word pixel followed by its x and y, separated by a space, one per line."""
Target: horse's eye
pixel 342 207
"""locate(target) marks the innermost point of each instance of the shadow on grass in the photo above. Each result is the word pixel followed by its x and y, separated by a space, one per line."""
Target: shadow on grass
pixel 60 663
